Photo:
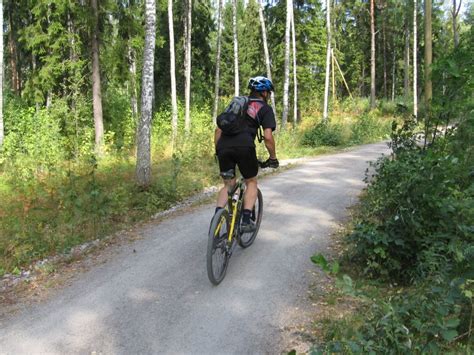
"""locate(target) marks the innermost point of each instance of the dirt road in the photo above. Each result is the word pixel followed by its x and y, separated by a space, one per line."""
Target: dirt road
pixel 158 299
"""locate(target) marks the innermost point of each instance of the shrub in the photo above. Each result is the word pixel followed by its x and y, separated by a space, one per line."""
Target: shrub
pixel 328 134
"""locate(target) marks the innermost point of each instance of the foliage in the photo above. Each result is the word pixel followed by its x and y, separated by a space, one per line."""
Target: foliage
pixel 415 228
pixel 324 134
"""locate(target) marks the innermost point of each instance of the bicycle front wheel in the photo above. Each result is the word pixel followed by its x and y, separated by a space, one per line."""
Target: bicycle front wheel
pixel 246 239
pixel 217 253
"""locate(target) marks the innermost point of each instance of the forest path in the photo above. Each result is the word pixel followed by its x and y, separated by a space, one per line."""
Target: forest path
pixel 154 295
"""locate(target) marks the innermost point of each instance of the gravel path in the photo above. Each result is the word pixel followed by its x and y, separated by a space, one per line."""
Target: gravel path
pixel 154 295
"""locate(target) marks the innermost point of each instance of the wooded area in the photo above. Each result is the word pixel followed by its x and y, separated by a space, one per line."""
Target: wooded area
pixel 87 57
pixel 108 108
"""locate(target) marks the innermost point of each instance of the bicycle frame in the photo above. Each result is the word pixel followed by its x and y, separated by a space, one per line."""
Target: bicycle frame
pixel 233 208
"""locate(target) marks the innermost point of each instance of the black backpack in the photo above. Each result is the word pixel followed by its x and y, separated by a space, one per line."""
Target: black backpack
pixel 232 120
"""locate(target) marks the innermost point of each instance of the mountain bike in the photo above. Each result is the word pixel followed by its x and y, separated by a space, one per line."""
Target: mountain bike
pixel 225 232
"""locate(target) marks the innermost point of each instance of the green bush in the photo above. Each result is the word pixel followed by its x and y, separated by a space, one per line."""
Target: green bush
pixel 324 134
pixel 418 213
pixel 368 128
pixel 424 320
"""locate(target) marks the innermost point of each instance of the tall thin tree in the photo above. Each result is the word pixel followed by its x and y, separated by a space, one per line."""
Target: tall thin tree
pixel 428 53
pixel 143 168
pixel 454 15
pixel 328 60
pixel 2 132
pixel 286 82
pixel 174 104
pixel 406 62
pixel 187 66
pixel 266 52
pixel 372 54
pixel 295 79
pixel 96 87
pixel 218 60
pixel 415 62
pixel 236 48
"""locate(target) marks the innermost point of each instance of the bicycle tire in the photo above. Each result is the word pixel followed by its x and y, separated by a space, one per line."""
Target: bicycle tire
pixel 217 241
pixel 246 239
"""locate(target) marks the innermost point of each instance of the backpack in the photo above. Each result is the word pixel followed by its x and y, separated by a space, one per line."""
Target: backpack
pixel 233 120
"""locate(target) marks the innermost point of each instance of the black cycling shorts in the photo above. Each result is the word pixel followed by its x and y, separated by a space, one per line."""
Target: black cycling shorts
pixel 244 157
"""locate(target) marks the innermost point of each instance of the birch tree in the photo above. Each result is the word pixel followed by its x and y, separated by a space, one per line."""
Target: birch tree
pixel 96 87
pixel 286 83
pixel 406 62
pixel 328 60
pixel 415 62
pixel 428 53
pixel 187 66
pixel 174 104
pixel 2 133
pixel 218 60
pixel 266 52
pixel 295 79
pixel 143 169
pixel 454 15
pixel 236 49
pixel 372 54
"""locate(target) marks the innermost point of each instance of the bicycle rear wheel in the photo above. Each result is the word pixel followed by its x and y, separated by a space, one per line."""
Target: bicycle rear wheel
pixel 246 239
pixel 217 253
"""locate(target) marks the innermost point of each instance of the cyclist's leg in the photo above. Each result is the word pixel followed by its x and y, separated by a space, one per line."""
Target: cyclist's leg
pixel 250 193
pixel 226 163
pixel 222 196
pixel 248 166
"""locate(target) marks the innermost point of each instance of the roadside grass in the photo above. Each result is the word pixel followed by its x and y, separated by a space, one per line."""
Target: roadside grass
pixel 75 201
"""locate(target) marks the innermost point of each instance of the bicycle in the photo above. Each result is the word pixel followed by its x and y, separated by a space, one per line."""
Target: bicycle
pixel 225 232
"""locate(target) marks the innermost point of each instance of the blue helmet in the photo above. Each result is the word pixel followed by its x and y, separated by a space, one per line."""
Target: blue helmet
pixel 260 83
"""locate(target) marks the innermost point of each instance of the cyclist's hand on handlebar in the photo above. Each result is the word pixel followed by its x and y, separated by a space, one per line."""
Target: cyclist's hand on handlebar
pixel 269 163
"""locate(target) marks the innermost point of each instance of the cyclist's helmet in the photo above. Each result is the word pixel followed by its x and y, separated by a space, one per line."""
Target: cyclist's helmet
pixel 260 83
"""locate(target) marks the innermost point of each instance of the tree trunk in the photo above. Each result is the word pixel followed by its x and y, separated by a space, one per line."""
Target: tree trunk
pixel 415 62
pixel 266 52
pixel 174 104
pixel 428 53
pixel 187 84
pixel 236 49
pixel 133 82
pixel 13 51
pixel 295 79
pixel 328 60
pixel 406 63
pixel 96 89
pixel 384 54
pixel 143 169
pixel 218 61
pixel 455 13
pixel 286 83
pixel 394 78
pixel 2 133
pixel 372 54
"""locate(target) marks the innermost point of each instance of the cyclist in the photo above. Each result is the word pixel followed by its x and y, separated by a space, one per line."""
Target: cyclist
pixel 239 149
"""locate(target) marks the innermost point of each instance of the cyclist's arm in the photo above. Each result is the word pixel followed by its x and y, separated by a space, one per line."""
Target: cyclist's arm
pixel 217 136
pixel 269 142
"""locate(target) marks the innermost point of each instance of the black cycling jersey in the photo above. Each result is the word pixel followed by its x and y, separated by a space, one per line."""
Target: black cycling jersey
pixel 265 118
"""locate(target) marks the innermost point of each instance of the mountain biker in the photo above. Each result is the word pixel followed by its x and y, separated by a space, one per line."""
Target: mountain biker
pixel 240 150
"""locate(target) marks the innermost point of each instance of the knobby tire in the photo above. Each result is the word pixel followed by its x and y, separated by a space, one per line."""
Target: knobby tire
pixel 217 255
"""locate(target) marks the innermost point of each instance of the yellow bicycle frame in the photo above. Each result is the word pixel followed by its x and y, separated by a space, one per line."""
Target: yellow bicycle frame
pixel 232 224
